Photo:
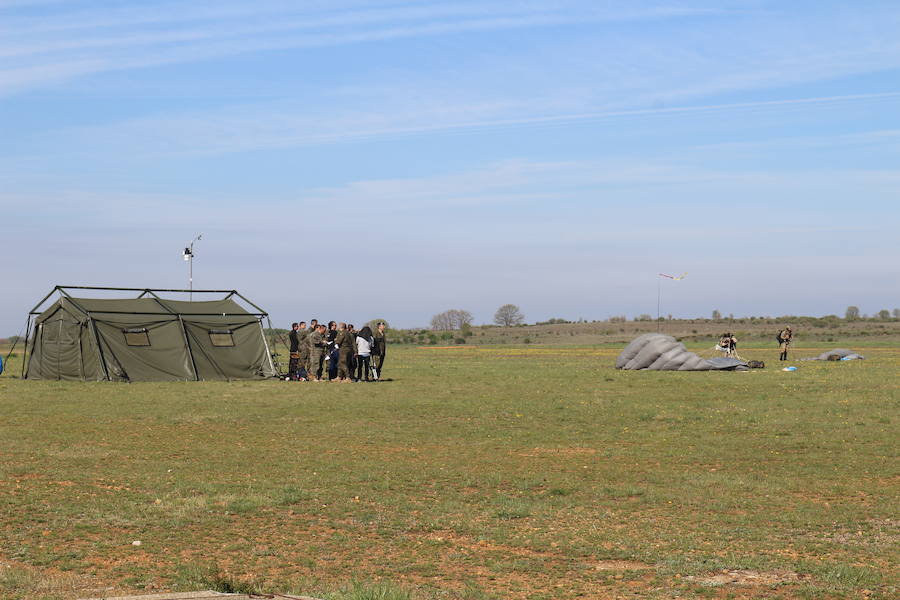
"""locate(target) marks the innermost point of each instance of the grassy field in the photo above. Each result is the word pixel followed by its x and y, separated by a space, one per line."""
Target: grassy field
pixel 759 331
pixel 506 471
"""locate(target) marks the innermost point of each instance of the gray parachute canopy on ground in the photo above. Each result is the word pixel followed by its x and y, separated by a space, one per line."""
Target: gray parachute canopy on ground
pixel 658 352
pixel 840 353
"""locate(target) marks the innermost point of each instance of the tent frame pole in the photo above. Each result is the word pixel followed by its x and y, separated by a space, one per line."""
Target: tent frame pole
pixel 100 350
pixel 26 358
pixel 262 332
pixel 34 311
pixel 211 361
pixel 187 344
pixel 239 295
pixel 130 289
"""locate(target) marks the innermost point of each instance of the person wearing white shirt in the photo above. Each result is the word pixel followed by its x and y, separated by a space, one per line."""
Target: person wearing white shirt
pixel 364 342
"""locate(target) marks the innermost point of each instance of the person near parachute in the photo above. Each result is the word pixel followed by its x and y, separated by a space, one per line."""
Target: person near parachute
pixel 728 344
pixel 784 342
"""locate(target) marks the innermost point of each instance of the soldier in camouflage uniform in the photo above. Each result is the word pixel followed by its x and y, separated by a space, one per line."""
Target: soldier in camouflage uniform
pixel 313 325
pixel 303 350
pixel 784 342
pixel 316 343
pixel 346 348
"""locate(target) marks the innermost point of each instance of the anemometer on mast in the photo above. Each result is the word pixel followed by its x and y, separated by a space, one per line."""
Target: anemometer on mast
pixel 189 257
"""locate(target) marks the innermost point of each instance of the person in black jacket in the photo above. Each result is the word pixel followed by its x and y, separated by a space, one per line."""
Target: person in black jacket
pixel 332 350
pixel 293 364
pixel 380 349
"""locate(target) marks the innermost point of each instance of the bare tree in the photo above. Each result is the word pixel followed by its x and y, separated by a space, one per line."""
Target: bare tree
pixel 463 317
pixel 441 321
pixel 508 315
pixel 852 313
pixel 451 319
pixel 884 314
pixel 896 313
pixel 716 315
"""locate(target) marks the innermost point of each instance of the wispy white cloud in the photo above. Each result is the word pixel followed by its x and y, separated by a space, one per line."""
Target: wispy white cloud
pixel 273 125
pixel 881 138
pixel 516 189
pixel 140 41
pixel 614 77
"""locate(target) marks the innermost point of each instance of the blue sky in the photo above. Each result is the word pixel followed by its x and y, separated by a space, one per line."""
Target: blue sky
pixel 351 159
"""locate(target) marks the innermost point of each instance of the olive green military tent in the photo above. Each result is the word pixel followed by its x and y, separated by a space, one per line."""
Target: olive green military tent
pixel 147 338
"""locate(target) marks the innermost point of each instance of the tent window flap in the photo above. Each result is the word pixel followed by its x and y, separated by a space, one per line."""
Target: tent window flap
pixel 221 337
pixel 137 336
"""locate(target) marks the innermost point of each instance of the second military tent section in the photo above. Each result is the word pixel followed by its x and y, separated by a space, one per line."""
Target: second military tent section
pixel 146 339
pixel 658 352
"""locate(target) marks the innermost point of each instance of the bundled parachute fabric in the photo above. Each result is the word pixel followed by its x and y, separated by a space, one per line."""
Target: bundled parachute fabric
pixel 658 352
pixel 837 354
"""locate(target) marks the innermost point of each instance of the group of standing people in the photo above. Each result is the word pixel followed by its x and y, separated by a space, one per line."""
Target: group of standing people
pixel 336 352
pixel 728 343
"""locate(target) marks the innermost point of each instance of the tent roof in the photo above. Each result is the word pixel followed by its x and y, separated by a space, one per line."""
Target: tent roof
pixel 149 302
pixel 154 306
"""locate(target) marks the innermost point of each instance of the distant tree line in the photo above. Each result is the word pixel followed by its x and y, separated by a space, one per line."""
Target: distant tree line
pixel 450 320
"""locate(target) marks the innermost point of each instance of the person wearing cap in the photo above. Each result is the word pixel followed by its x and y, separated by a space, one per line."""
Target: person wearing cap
pixel 784 342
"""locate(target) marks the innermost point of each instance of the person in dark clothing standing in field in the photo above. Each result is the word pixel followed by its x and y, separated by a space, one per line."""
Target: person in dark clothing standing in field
pixel 293 364
pixel 379 350
pixel 351 330
pixel 332 350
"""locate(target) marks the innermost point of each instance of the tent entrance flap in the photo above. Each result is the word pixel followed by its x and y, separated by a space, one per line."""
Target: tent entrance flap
pixel 149 337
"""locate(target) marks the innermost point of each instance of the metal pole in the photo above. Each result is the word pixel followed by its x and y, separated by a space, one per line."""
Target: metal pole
pixel 190 257
pixel 187 346
pixel 100 350
pixel 658 286
pixel 262 332
pixel 26 358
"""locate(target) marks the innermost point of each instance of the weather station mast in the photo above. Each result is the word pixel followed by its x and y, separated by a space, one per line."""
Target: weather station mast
pixel 189 257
